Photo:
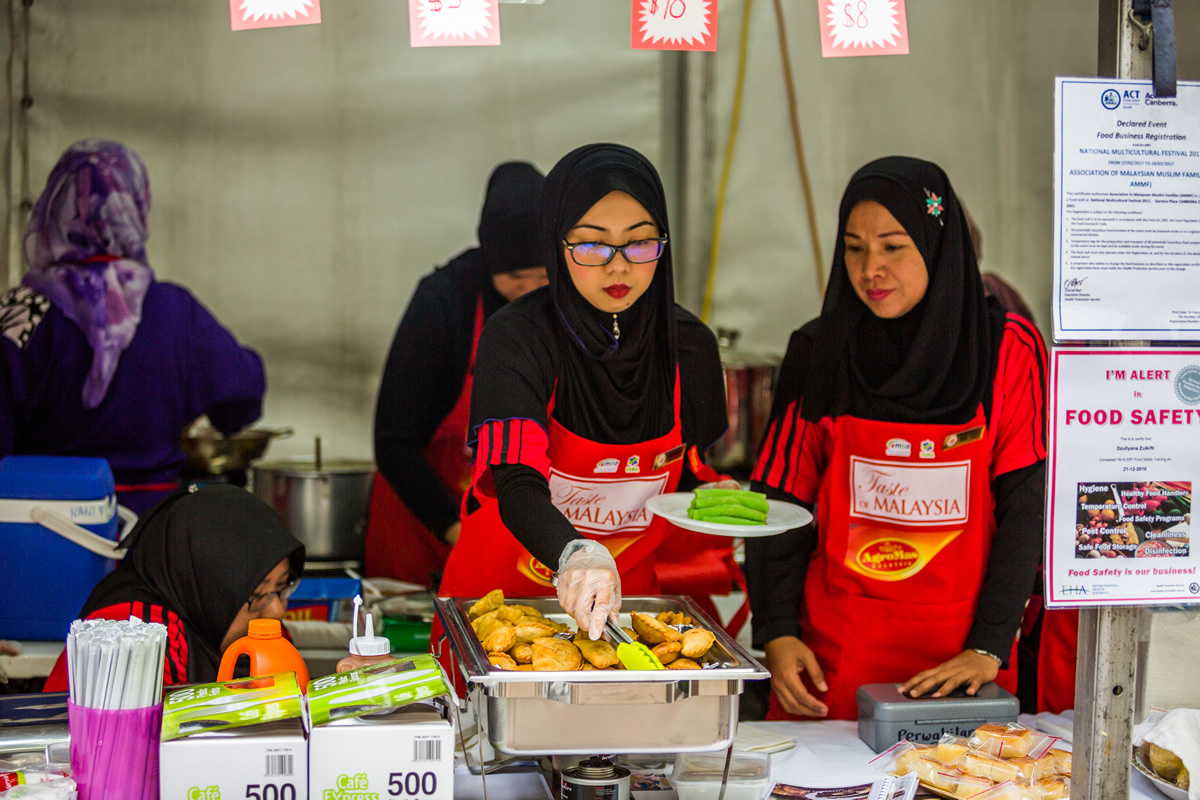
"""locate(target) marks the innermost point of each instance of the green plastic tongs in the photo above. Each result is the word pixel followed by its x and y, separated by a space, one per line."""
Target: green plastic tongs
pixel 633 655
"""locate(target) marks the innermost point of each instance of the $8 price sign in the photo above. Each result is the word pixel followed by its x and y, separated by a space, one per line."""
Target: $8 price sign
pixel 863 27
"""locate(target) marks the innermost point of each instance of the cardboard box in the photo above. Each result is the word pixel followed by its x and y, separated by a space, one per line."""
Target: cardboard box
pixel 405 753
pixel 260 762
pixel 885 716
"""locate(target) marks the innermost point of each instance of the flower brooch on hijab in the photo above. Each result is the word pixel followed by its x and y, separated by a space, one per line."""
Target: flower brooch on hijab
pixel 933 206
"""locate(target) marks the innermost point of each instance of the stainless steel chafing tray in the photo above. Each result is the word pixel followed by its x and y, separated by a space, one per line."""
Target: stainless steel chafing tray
pixel 605 711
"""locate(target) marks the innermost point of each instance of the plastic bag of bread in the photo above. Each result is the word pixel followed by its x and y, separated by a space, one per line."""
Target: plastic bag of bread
pixel 1011 741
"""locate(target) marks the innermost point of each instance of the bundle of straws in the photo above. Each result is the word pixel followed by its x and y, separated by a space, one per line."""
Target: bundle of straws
pixel 116 664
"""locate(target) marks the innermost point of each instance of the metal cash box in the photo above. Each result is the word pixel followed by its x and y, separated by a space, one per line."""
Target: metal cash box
pixel 885 716
pixel 605 711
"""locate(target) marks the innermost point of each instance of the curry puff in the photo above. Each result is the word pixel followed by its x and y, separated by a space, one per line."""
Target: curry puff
pixel 489 602
pixel 696 642
pixel 666 652
pixel 651 632
pixel 599 653
pixel 556 655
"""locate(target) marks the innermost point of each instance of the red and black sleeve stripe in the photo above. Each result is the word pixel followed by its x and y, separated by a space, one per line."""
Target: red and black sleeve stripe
pixel 512 441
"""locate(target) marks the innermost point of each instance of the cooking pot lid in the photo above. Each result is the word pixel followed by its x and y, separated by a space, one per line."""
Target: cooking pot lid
pixel 308 466
pixel 413 605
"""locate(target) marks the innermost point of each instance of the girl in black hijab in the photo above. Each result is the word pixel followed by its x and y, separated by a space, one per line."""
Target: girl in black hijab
pixel 425 393
pixel 204 564
pixel 588 395
pixel 910 414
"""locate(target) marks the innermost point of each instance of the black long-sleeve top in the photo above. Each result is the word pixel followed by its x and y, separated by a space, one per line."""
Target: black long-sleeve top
pixel 423 378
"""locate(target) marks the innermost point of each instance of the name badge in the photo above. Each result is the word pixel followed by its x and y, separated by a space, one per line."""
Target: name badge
pixel 669 457
pixel 963 437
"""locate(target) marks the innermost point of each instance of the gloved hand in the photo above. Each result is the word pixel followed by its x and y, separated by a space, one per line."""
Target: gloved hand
pixel 589 588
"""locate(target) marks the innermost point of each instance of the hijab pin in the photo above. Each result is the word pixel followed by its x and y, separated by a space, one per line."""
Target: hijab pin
pixel 933 206
pixel 616 329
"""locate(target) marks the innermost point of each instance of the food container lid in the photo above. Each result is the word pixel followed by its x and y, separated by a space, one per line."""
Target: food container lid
pixel 308 466
pixel 709 768
pixel 883 701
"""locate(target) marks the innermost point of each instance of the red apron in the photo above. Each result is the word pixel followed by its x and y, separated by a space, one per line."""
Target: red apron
pixel 398 544
pixel 1057 654
pixel 601 488
pixel 906 522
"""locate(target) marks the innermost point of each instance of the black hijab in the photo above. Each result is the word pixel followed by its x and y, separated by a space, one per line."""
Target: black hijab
pixel 622 387
pixel 200 555
pixel 937 362
pixel 508 223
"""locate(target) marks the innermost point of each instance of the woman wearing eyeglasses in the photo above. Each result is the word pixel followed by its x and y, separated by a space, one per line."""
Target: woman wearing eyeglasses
pixel 204 564
pixel 590 395
pixel 911 414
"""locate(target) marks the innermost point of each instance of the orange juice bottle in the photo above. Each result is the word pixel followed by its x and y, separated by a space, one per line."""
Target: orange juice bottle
pixel 268 651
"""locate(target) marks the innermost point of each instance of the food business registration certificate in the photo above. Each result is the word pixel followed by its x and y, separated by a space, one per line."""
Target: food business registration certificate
pixel 1126 211
pixel 1124 428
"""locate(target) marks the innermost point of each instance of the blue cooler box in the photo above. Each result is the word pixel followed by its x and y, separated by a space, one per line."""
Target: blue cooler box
pixel 47 578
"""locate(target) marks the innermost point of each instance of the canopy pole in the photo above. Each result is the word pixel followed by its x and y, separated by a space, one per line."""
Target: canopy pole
pixel 1106 695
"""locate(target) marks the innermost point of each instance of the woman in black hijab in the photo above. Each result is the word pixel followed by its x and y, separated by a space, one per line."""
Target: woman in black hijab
pixel 588 396
pixel 910 414
pixel 204 564
pixel 425 392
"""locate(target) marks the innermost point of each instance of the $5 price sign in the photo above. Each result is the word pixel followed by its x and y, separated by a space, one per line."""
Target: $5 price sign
pixel 440 23
pixel 674 25
pixel 863 28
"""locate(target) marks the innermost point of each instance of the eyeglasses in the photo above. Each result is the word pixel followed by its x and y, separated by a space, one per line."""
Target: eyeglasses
pixel 597 254
pixel 259 601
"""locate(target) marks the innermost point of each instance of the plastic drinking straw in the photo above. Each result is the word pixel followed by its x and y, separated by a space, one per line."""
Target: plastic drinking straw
pixel 120 673
pixel 104 682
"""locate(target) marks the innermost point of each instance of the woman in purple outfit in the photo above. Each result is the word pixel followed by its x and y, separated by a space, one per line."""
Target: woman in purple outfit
pixel 99 359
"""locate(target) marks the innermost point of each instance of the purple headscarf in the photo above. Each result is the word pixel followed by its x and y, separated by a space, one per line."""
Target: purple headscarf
pixel 85 245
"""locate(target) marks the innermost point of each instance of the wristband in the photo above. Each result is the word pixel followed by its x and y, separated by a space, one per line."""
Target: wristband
pixel 992 656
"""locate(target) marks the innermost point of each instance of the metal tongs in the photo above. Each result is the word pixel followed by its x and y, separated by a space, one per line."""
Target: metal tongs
pixel 633 655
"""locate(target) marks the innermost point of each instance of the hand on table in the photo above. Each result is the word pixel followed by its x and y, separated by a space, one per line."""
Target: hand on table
pixel 787 658
pixel 967 668
pixel 589 586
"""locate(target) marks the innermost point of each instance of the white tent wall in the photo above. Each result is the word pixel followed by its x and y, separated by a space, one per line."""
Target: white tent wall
pixel 304 178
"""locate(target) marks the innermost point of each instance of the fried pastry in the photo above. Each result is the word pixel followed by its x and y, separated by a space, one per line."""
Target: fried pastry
pixel 500 639
pixel 696 642
pixel 666 652
pixel 599 653
pixel 527 611
pixel 489 602
pixel 510 613
pixel 485 625
pixel 683 663
pixel 553 654
pixel 651 631
pixel 502 661
pixel 1164 763
pixel 522 653
pixel 528 631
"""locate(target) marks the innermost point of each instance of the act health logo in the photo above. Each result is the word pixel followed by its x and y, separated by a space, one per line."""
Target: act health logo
pixel 1110 99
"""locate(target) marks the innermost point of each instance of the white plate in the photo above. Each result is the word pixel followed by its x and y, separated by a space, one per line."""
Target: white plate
pixel 780 517
pixel 1142 764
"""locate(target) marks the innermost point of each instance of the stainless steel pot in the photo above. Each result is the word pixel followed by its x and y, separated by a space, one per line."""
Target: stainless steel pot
pixel 324 506
pixel 749 389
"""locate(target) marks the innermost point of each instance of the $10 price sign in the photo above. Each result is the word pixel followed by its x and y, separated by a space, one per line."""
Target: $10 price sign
pixel 674 25
pixel 450 23
pixel 863 28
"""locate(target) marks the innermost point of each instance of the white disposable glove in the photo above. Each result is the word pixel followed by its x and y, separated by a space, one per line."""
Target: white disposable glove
pixel 589 587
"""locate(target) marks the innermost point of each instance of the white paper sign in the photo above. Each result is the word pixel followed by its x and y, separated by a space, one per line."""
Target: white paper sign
pixel 604 506
pixel 442 23
pixel 1123 464
pixel 1126 211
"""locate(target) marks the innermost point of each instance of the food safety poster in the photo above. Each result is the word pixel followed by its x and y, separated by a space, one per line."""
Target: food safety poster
pixel 1126 211
pixel 1124 458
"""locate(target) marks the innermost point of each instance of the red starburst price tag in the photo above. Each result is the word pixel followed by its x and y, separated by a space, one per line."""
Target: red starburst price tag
pixel 674 25
pixel 250 14
pixel 863 28
pixel 453 23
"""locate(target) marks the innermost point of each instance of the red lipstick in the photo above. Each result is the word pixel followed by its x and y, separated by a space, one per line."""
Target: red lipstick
pixel 617 290
pixel 875 295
